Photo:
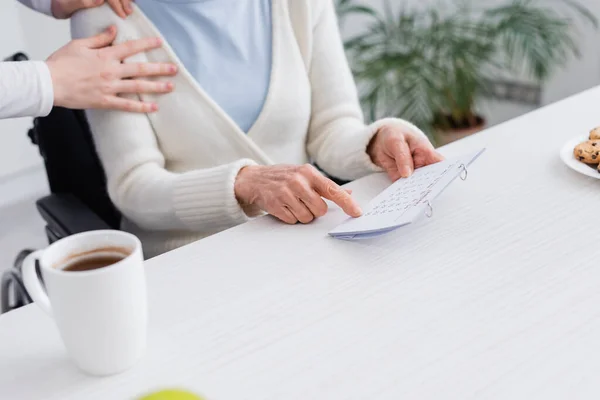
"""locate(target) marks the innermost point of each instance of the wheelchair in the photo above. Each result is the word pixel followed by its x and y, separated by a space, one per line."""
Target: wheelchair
pixel 78 200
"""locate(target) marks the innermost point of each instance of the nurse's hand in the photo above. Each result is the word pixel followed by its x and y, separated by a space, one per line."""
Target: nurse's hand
pixel 400 151
pixel 89 73
pixel 291 193
pixel 62 9
pixel 121 7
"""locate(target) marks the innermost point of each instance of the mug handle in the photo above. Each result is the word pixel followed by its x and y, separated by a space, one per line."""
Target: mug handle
pixel 32 282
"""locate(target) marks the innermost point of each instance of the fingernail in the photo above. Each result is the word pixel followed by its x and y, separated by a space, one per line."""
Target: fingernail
pixel 358 211
pixel 98 2
pixel 154 107
pixel 169 86
pixel 110 29
pixel 173 69
pixel 406 171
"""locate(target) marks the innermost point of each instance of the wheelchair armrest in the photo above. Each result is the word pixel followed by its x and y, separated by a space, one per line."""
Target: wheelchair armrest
pixel 17 57
pixel 66 215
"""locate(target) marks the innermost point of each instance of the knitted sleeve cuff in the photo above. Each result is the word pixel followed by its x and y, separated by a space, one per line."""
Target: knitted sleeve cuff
pixel 400 123
pixel 372 130
pixel 206 198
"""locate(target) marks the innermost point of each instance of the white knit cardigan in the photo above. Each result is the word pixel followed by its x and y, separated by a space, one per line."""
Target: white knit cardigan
pixel 172 173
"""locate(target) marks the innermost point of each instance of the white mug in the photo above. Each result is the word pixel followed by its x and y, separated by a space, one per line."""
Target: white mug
pixel 101 313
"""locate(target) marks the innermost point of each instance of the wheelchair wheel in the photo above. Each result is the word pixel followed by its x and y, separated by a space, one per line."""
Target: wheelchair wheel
pixel 12 290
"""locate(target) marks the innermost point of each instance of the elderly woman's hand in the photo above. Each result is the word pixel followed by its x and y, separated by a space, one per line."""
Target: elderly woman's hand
pixel 65 8
pixel 291 193
pixel 399 151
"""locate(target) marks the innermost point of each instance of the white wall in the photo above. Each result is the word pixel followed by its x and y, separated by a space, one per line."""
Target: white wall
pixel 578 75
pixel 23 30
pixel 43 35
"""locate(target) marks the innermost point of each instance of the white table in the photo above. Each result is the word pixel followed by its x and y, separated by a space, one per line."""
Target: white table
pixel 496 297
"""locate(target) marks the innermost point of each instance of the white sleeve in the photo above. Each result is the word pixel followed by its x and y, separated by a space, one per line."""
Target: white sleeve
pixel 25 89
pixel 43 6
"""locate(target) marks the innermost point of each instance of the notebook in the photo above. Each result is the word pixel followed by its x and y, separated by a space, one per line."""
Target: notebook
pixel 406 200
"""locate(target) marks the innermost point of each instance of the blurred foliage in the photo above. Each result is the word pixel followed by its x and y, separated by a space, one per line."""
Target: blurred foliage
pixel 431 65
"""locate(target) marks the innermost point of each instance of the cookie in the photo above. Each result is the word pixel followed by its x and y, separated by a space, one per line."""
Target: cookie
pixel 588 152
pixel 595 134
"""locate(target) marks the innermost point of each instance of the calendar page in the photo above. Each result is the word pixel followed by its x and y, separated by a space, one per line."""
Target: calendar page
pixel 405 200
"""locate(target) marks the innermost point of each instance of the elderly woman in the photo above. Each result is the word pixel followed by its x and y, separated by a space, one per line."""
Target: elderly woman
pixel 264 89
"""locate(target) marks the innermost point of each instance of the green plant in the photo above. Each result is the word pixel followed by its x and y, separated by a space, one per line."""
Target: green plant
pixel 432 66
pixel 349 7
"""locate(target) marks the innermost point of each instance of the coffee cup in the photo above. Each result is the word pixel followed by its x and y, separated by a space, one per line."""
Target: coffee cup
pixel 94 287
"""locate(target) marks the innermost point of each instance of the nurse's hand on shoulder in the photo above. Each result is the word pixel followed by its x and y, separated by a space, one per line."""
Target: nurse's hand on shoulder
pixel 291 193
pixel 65 8
pixel 400 151
pixel 89 73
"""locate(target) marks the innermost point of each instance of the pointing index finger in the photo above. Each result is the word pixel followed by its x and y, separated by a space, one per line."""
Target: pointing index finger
pixel 331 191
pixel 403 157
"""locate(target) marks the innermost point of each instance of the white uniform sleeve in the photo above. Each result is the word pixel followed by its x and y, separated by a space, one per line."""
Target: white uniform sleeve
pixel 43 6
pixel 25 89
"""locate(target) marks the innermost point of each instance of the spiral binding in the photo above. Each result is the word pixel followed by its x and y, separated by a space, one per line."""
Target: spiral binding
pixel 465 173
pixel 463 176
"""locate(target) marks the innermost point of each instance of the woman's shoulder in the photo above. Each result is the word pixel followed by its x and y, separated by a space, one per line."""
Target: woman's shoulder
pixel 91 21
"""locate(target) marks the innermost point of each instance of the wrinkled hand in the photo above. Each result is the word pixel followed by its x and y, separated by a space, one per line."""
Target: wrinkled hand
pixel 62 9
pixel 291 193
pixel 89 73
pixel 399 151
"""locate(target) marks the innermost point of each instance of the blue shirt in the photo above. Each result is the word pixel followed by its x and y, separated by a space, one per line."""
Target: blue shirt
pixel 225 44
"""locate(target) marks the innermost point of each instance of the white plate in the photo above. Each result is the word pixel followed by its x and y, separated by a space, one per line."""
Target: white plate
pixel 566 154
